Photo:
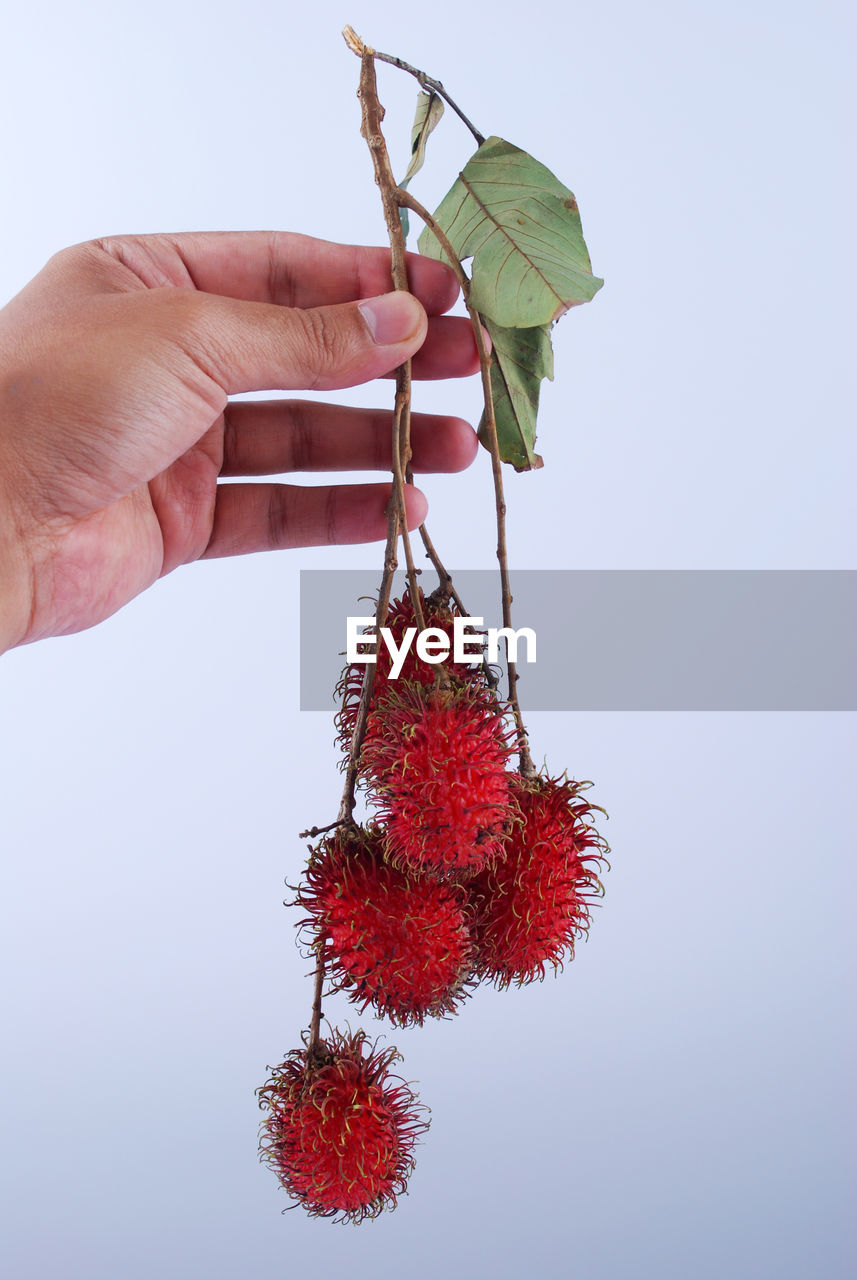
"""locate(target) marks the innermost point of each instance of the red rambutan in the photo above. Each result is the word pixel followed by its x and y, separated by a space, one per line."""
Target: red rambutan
pixel 340 1130
pixel 400 616
pixel 435 760
pixel 532 903
pixel 397 941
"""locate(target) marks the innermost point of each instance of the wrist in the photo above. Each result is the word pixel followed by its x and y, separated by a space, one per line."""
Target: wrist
pixel 14 582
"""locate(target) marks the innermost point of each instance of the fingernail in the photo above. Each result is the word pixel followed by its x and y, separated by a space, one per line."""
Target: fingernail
pixel 393 317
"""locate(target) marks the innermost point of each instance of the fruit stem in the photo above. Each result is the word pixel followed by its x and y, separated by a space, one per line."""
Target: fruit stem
pixel 405 198
pixel 315 1020
pixel 372 113
pixel 370 129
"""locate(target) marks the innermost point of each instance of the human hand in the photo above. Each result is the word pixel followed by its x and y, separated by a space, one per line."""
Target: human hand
pixel 116 364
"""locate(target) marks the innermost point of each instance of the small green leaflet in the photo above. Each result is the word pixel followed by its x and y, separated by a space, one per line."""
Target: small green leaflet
pixel 522 229
pixel 428 113
pixel 520 359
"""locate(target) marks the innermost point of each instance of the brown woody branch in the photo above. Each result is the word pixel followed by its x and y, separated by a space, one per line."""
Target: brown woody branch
pixel 358 46
pixel 405 198
pixel 315 1020
pixel 372 115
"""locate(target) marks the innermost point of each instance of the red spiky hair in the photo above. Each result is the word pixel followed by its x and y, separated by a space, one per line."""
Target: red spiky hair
pixel 397 941
pixel 434 758
pixel 340 1130
pixel 532 903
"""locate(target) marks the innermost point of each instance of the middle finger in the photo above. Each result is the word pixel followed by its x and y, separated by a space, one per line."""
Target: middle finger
pixel 269 437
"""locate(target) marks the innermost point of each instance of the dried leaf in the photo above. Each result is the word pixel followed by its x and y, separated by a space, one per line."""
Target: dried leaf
pixel 428 113
pixel 522 228
pixel 520 359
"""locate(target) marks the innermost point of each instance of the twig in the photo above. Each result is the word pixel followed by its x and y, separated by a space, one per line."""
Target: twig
pixel 372 114
pixel 447 586
pixel 356 45
pixel 315 1021
pixel 346 804
pixel 313 832
pixel 447 589
pixel 405 198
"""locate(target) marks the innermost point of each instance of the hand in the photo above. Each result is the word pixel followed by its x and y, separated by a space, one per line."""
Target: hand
pixel 116 364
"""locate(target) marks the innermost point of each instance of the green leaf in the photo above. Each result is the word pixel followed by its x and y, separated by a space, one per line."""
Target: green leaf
pixel 522 228
pixel 428 113
pixel 520 359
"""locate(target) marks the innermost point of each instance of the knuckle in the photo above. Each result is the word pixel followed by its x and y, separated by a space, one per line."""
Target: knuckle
pixel 231 440
pixel 180 319
pixel 72 253
pixel 76 258
pixel 381 441
pixel 321 344
pixel 301 441
pixel 278 521
pixel 331 516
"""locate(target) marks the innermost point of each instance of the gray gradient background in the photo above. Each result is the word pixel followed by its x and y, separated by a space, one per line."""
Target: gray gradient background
pixel 677 1104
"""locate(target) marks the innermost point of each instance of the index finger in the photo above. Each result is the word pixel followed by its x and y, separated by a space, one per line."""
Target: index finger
pixel 283 267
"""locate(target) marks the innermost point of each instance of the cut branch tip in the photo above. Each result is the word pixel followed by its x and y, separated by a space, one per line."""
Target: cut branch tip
pixel 355 44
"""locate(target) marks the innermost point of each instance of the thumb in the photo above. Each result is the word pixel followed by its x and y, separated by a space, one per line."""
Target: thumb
pixel 255 346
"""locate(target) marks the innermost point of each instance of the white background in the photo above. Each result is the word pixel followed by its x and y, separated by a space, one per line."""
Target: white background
pixel 675 1104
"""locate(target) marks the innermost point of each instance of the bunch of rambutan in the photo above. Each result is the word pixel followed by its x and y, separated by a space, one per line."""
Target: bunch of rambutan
pixel 470 872
pixel 520 849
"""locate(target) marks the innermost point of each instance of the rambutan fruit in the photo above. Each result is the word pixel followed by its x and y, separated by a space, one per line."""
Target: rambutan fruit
pixel 533 902
pixel 437 614
pixel 434 759
pixel 394 940
pixel 340 1128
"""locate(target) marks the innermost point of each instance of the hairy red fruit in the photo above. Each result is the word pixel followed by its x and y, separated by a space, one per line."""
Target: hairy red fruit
pixel 532 903
pixel 396 941
pixel 340 1130
pixel 435 760
pixel 400 617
